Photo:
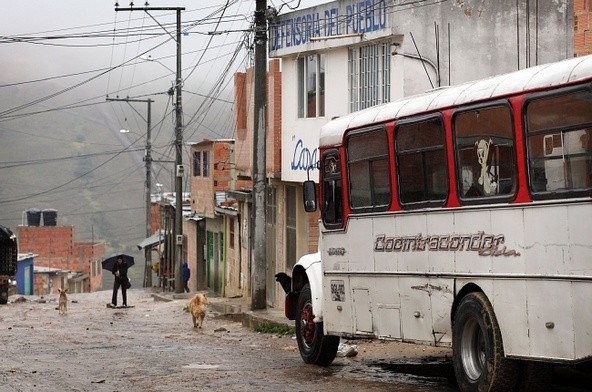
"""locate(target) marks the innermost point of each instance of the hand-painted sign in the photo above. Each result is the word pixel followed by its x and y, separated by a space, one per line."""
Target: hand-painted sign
pixel 482 243
pixel 303 158
pixel 339 18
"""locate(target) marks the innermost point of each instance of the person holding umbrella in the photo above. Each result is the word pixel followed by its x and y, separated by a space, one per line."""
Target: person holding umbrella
pixel 120 272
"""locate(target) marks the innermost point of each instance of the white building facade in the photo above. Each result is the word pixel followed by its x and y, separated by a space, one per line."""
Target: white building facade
pixel 348 55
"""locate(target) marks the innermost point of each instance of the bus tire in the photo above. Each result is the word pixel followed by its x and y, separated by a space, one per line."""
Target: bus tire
pixel 477 348
pixel 314 346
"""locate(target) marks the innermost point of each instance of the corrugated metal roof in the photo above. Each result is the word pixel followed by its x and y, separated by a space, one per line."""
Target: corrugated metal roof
pixel 154 239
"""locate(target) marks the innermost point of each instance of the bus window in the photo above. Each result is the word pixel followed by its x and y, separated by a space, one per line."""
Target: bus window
pixel 484 142
pixel 332 210
pixel 559 147
pixel 368 170
pixel 421 163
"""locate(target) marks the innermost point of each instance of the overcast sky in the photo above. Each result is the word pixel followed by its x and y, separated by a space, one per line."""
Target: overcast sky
pixel 67 17
pixel 56 54
pixel 71 42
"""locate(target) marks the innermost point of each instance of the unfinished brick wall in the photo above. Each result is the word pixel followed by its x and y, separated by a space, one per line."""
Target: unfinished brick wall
pixel 244 91
pixel 582 28
pixel 55 247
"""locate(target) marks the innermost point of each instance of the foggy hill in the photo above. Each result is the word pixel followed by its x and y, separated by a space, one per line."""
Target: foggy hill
pixel 73 161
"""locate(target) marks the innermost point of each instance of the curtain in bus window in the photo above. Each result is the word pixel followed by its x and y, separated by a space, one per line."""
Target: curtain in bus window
pixel 421 163
pixel 559 147
pixel 484 141
pixel 369 178
pixel 311 86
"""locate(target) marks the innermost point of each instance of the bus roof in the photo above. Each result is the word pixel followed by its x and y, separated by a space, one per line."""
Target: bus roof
pixel 539 77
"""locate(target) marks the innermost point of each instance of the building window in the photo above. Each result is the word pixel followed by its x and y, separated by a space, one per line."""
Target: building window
pixel 368 170
pixel 369 75
pixel 231 233
pixel 197 164
pixel 311 86
pixel 421 163
pixel 206 164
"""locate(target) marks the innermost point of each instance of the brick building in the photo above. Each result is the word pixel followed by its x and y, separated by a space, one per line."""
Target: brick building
pixel 78 263
pixel 582 27
pixel 210 179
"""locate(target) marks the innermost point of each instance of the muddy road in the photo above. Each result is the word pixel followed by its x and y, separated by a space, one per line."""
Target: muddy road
pixel 154 347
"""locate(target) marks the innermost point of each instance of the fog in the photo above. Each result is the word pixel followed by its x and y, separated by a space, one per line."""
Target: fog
pixel 60 140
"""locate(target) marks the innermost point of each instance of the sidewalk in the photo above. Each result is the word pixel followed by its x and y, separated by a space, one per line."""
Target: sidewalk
pixel 235 309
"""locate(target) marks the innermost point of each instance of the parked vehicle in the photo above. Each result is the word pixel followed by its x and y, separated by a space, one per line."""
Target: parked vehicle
pixel 458 218
pixel 8 261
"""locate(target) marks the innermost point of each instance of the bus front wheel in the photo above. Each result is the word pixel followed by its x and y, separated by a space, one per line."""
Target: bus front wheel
pixel 477 348
pixel 314 346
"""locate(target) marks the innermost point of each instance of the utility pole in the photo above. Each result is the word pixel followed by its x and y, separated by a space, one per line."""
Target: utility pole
pixel 179 169
pixel 258 265
pixel 148 198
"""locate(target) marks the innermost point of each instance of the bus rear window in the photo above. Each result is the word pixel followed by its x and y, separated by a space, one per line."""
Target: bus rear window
pixel 559 143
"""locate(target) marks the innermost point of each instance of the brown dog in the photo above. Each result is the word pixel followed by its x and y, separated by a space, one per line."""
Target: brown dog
pixel 198 307
pixel 63 301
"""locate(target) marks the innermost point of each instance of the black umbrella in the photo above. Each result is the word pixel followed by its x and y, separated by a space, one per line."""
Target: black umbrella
pixel 110 261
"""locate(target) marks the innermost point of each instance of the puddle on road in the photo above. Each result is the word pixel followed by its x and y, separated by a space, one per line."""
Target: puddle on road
pixel 201 366
pixel 428 374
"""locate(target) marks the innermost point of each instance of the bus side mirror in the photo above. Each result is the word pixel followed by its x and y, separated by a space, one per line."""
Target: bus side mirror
pixel 309 192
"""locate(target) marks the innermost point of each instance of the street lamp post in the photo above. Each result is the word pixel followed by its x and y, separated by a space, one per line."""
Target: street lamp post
pixel 178 144
pixel 179 165
pixel 148 187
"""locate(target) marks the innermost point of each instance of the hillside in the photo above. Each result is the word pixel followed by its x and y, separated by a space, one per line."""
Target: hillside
pixel 72 161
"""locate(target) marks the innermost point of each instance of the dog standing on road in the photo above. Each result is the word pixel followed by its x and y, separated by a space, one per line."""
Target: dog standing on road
pixel 198 307
pixel 63 301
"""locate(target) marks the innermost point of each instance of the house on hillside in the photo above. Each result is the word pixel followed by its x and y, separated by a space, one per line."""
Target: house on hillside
pixel 56 250
pixel 212 219
pixel 24 274
pixel 163 218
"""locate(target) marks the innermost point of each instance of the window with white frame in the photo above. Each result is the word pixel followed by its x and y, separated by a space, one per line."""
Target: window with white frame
pixel 311 86
pixel 197 163
pixel 206 164
pixel 201 164
pixel 369 75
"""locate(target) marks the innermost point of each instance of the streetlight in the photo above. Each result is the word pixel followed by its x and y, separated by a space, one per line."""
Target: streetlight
pixel 152 59
pixel 178 141
pixel 148 164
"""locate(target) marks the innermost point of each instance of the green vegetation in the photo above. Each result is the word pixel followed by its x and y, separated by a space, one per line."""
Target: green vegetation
pixel 274 329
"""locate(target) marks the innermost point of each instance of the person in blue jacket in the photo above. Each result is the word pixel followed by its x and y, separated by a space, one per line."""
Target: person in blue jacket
pixel 186 275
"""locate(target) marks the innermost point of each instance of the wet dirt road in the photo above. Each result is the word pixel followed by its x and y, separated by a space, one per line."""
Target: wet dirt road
pixel 153 347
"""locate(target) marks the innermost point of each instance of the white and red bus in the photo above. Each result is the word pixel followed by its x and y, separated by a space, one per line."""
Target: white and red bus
pixel 460 217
